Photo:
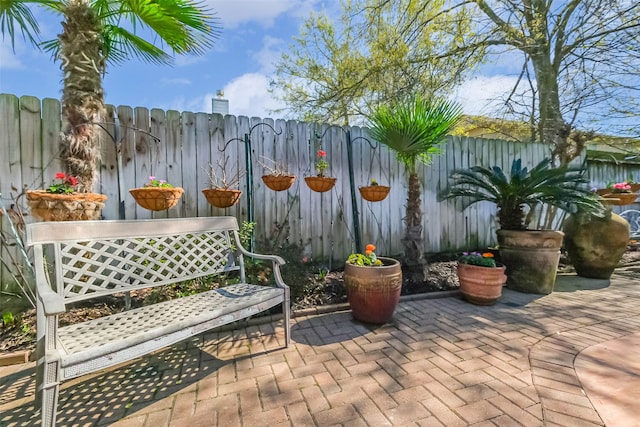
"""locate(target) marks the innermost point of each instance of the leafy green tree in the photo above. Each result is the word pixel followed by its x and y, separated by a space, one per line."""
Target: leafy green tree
pixel 339 70
pixel 98 32
pixel 581 58
pixel 414 129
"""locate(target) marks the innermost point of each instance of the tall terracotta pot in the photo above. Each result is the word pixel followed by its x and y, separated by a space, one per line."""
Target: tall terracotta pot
pixel 531 258
pixel 481 285
pixel 373 292
pixel 595 245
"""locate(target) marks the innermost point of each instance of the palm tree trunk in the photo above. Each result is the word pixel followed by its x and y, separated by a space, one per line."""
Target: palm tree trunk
pixel 82 94
pixel 412 241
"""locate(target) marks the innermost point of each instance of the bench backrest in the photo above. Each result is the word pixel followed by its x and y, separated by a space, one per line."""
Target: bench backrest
pixel 95 258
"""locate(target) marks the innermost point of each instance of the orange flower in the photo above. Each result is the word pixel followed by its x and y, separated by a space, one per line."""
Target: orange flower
pixel 370 247
pixel 368 252
pixel 487 255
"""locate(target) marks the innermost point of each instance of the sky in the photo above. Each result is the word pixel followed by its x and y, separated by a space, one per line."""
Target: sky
pixel 241 63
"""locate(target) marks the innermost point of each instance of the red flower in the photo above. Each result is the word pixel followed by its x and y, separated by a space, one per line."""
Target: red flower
pixel 61 175
pixel 322 153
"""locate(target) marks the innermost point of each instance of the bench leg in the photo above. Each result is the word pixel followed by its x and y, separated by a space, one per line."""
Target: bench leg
pixel 47 389
pixel 286 310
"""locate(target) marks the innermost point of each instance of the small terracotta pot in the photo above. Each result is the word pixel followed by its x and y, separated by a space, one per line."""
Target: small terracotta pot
pixel 481 285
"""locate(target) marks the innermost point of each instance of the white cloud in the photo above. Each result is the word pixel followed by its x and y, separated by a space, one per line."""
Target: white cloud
pixel 236 12
pixel 268 54
pixel 483 95
pixel 249 95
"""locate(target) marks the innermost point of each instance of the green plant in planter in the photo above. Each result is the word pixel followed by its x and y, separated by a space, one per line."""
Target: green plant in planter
pixel 476 258
pixel 369 257
pixel 563 187
pixel 531 256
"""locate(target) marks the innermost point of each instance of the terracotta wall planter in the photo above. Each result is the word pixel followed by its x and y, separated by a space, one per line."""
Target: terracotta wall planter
pixel 374 193
pixel 47 206
pixel 278 182
pixel 373 292
pixel 222 197
pixel 157 198
pixel 481 285
pixel 620 199
pixel 320 184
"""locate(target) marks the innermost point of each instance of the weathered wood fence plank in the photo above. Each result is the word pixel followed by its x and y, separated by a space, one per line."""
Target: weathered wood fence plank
pixel 320 224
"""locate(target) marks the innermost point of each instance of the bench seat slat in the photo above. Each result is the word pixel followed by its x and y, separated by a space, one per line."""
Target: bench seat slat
pixel 157 325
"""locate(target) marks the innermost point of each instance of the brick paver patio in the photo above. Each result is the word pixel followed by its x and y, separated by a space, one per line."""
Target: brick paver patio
pixel 441 362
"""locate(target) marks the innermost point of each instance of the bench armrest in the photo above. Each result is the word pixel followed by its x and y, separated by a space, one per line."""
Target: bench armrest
pixel 275 259
pixel 52 303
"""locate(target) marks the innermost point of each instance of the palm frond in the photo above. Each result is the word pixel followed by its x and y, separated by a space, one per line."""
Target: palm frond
pixel 414 128
pixel 564 187
pixel 16 15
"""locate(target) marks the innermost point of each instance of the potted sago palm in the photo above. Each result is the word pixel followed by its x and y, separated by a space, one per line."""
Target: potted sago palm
pixel 531 256
pixel 481 278
pixel 373 285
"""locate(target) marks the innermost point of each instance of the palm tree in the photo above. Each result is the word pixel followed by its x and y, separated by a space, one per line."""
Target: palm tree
pixel 414 128
pixel 563 187
pixel 98 32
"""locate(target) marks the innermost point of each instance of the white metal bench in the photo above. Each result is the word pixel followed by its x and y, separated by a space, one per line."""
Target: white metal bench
pixel 633 218
pixel 90 259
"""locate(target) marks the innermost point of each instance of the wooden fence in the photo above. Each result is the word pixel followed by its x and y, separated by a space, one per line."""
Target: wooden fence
pixel 179 147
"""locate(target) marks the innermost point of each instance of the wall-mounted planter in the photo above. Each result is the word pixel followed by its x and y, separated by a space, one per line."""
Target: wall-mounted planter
pixel 222 197
pixel 278 182
pixel 320 184
pixel 374 193
pixel 157 198
pixel 46 206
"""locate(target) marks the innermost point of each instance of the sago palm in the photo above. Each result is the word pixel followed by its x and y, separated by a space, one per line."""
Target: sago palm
pixel 563 187
pixel 98 32
pixel 414 130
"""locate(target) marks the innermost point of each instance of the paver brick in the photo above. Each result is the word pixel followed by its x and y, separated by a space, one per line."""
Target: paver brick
pixel 315 399
pixel 478 411
pixel 407 412
pixel 440 362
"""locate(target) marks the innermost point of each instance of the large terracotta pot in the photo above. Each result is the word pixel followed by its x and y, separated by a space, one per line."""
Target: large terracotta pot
pixel 595 245
pixel 531 258
pixel 47 206
pixel 481 285
pixel 373 292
